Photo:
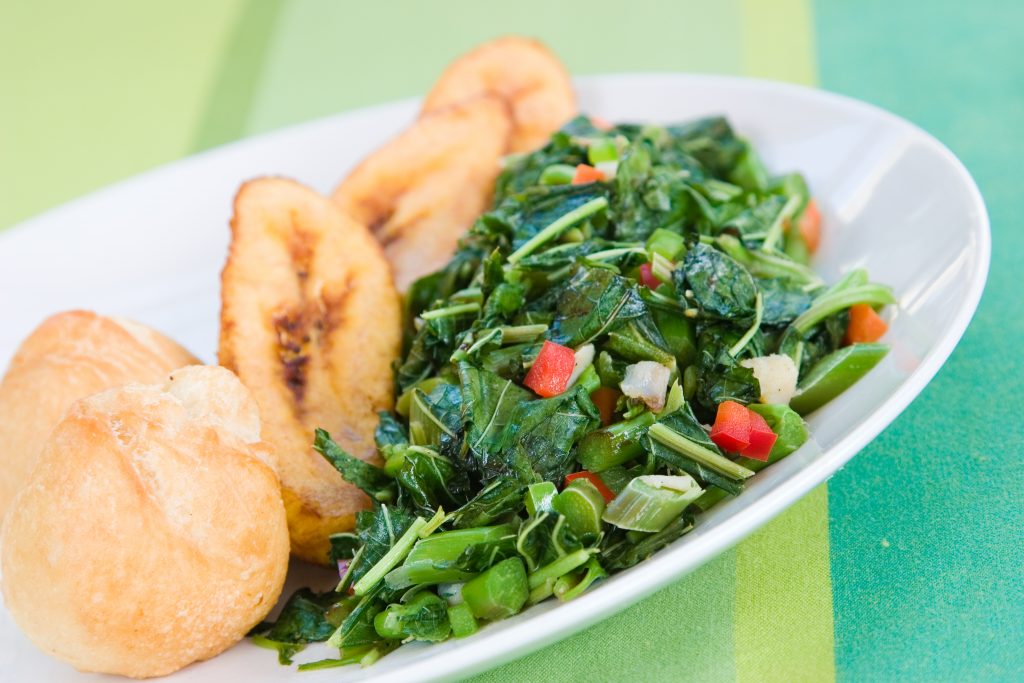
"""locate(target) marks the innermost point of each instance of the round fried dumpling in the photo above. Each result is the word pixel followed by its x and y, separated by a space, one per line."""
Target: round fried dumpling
pixel 152 533
pixel 70 356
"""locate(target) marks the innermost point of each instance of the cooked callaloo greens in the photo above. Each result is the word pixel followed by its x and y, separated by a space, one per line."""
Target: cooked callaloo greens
pixel 628 335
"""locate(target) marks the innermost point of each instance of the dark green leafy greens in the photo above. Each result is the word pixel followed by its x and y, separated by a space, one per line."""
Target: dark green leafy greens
pixel 664 280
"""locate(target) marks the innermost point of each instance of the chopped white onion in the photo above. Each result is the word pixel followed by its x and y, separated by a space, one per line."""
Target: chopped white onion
pixel 608 168
pixel 777 375
pixel 647 381
pixel 451 592
pixel 584 359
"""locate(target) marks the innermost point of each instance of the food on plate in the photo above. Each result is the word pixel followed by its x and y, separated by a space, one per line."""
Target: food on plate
pixel 521 71
pixel 69 356
pixel 152 533
pixel 629 333
pixel 310 322
pixel 421 191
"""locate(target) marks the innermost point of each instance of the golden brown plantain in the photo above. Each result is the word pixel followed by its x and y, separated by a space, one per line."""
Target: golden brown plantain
pixel 421 191
pixel 522 72
pixel 310 322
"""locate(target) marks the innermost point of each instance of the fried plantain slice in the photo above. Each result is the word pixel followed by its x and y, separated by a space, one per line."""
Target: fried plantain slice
pixel 421 191
pixel 521 71
pixel 310 322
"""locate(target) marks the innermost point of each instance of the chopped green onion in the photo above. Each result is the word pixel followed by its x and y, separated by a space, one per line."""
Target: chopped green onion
pixel 561 566
pixel 666 243
pixel 650 502
pixel 582 506
pixel 557 174
pixel 462 621
pixel 499 592
pixel 539 496
pixel 602 149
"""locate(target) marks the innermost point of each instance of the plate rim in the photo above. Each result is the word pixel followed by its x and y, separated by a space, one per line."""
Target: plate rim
pixel 533 633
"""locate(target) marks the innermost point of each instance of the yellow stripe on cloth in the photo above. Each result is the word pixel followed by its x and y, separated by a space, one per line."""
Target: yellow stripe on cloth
pixel 783 621
pixel 93 92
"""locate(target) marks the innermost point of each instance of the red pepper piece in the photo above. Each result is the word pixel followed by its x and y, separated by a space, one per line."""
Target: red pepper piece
pixel 587 174
pixel 762 438
pixel 647 278
pixel 605 399
pixel 810 226
pixel 731 431
pixel 865 325
pixel 594 479
pixel 549 375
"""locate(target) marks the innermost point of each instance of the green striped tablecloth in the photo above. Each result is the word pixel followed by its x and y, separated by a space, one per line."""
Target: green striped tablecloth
pixel 908 564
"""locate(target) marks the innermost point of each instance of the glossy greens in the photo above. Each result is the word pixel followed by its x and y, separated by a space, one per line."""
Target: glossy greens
pixel 684 259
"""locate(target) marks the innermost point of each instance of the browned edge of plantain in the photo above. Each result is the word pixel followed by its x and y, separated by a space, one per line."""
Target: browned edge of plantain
pixel 421 191
pixel 524 73
pixel 310 322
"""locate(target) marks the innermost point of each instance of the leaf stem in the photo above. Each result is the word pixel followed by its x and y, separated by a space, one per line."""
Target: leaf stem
pixel 749 334
pixel 835 301
pixel 677 442
pixel 775 230
pixel 391 558
pixel 556 228
pixel 450 310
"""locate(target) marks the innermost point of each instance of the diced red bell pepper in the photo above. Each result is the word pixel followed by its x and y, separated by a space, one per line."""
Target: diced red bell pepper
pixel 731 430
pixel 587 174
pixel 647 278
pixel 762 438
pixel 865 325
pixel 549 375
pixel 810 226
pixel 594 479
pixel 605 399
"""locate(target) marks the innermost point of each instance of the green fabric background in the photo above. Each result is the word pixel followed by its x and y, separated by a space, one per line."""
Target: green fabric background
pixel 908 565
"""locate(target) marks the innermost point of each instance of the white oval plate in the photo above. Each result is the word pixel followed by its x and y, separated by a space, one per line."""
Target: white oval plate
pixel 894 200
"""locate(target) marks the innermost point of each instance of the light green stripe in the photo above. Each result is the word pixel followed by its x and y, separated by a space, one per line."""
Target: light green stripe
pixel 783 620
pixel 241 69
pixel 327 57
pixel 783 614
pixel 682 633
pixel 778 40
pixel 93 92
